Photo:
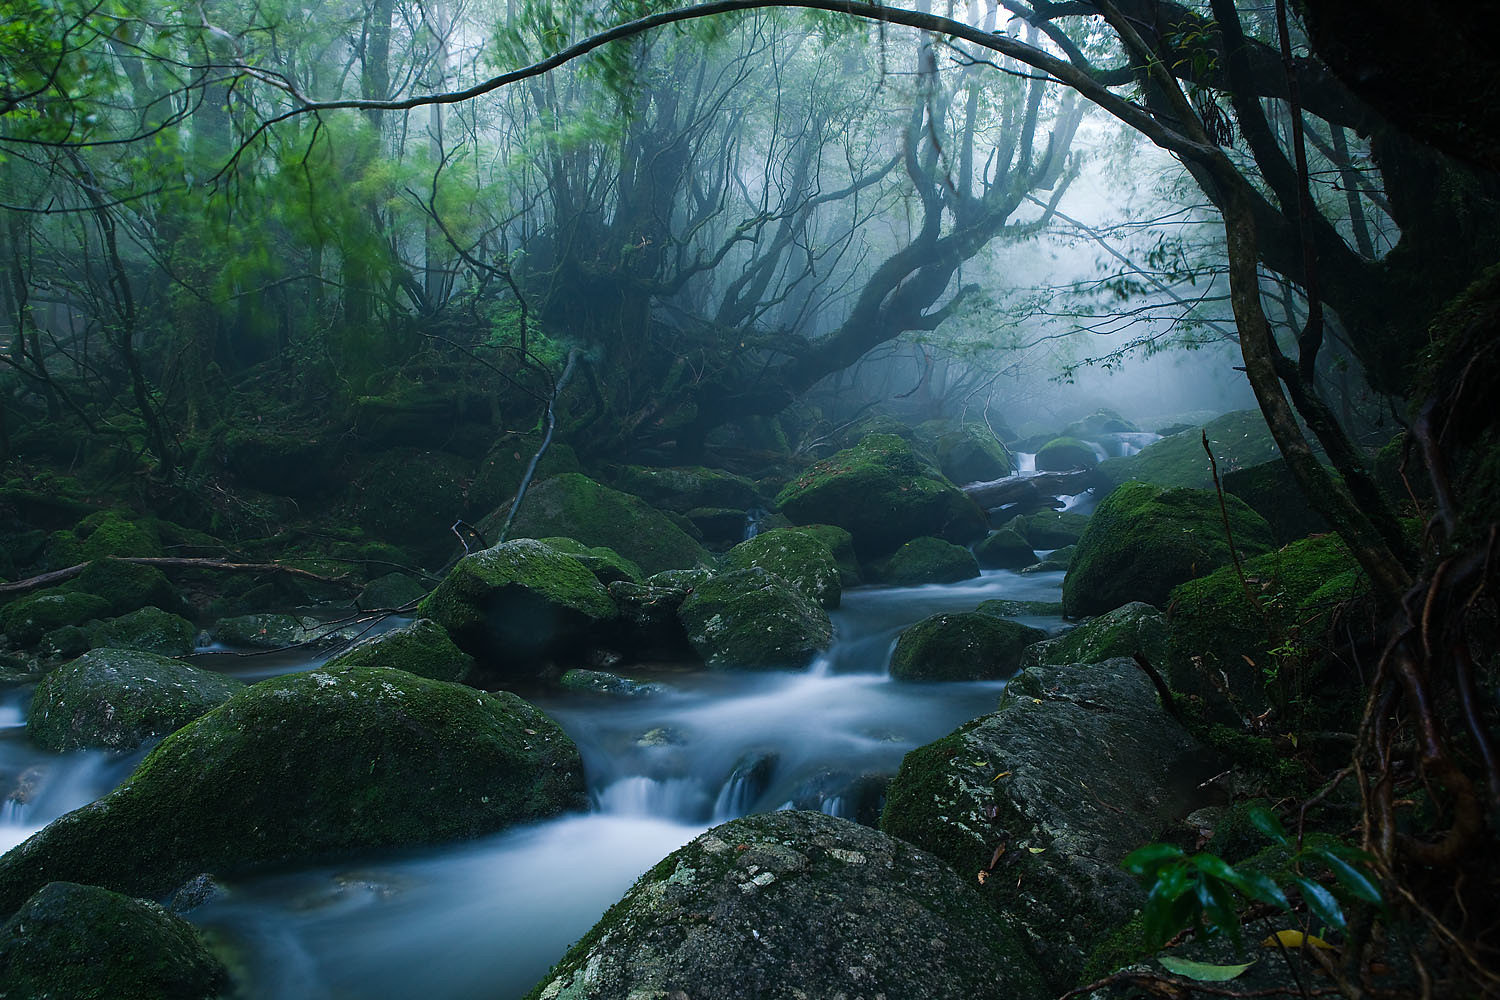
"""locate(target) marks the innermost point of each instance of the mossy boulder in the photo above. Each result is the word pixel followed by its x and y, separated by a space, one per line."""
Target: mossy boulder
pixel 116 699
pixel 648 626
pixel 1063 454
pixel 422 648
pixel 26 619
pixel 269 630
pixel 883 495
pixel 841 544
pixel 1057 561
pixel 1129 629
pixel 101 535
pixel 128 586
pixel 1239 440
pixel 1002 607
pixel 603 682
pixel 1273 493
pixel 795 556
pixel 302 464
pixel 1101 421
pixel 967 646
pixel 1215 623
pixel 1004 549
pixel 683 488
pixel 1038 802
pixel 972 454
pixel 1143 540
pixel 519 603
pixel 605 563
pixel 393 590
pixel 411 497
pixel 149 629
pixel 80 941
pixel 577 507
pixel 499 474
pixel 926 560
pixel 753 619
pixel 796 904
pixel 369 758
pixel 1049 529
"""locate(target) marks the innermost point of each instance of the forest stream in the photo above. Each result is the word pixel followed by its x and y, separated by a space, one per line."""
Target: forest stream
pixel 489 917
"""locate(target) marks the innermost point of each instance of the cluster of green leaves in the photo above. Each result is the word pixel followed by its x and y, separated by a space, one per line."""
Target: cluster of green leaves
pixel 1202 890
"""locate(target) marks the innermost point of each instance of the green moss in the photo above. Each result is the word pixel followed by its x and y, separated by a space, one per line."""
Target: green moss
pixel 1049 529
pixel 1127 630
pixel 926 560
pixel 840 543
pixel 27 619
pixel 1273 493
pixel 422 648
pixel 750 618
pixel 80 941
pixel 1062 454
pixel 116 699
pixel 1004 608
pixel 797 557
pixel 923 805
pixel 577 507
pixel 371 757
pixel 967 646
pixel 682 488
pixel 605 563
pixel 1004 549
pixel 1101 421
pixel 151 630
pixel 128 586
pixel 1125 946
pixel 972 454
pixel 1239 440
pixel 1143 540
pixel 411 497
pixel 499 474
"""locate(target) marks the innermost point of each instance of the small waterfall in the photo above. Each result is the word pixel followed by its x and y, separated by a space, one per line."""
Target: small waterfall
pixel 747 782
pixel 754 518
pixel 1025 461
pixel 638 795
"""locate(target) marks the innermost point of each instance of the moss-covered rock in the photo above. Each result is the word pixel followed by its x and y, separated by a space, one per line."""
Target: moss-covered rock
pixel 1004 549
pixel 925 560
pixel 972 454
pixel 80 941
pixel 967 646
pixel 411 497
pixel 795 556
pixel 422 648
pixel 1005 608
pixel 393 590
pixel 602 682
pixel 682 488
pixel 648 626
pixel 1101 421
pixel 499 474
pixel 1240 440
pixel 264 631
pixel 518 603
pixel 1272 492
pixel 605 563
pixel 1130 629
pixel 101 535
pixel 1038 802
pixel 1062 454
pixel 1049 529
pixel 577 507
pixel 1215 625
pixel 369 757
pixel 302 464
pixel 753 619
pixel 1144 540
pixel 880 492
pixel 841 544
pixel 128 586
pixel 151 630
pixel 116 699
pixel 26 619
pixel 795 904
pixel 1057 561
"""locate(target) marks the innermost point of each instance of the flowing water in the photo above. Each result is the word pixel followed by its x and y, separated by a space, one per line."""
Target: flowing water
pixel 487 918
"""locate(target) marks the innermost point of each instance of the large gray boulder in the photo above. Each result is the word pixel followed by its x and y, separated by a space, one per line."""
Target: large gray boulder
pixel 304 765
pixel 1040 801
pixel 791 905
pixel 116 699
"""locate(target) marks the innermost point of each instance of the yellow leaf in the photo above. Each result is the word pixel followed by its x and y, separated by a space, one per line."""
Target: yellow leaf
pixel 1036 850
pixel 1294 939
pixel 1002 774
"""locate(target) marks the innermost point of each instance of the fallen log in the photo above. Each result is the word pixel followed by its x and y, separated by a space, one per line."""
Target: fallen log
pixel 172 562
pixel 1032 488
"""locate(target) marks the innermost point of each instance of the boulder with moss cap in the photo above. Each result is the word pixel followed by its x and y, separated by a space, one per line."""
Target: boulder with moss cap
pixel 967 646
pixel 422 648
pixel 795 556
pixel 752 619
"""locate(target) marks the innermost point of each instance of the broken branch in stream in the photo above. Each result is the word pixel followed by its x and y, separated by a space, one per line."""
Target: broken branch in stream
pixel 171 562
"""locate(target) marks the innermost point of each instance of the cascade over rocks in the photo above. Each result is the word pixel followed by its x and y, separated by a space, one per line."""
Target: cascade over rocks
pixel 1040 801
pixel 790 905
pixel 116 699
pixel 72 940
pixel 519 603
pixel 575 506
pixel 1143 540
pixel 304 765
pixel 754 619
pixel 880 492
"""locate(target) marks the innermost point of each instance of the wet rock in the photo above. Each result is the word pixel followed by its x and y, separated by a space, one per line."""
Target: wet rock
pixel 393 590
pixel 926 560
pixel 1057 561
pixel 151 630
pixel 1049 529
pixel 602 682
pixel 797 557
pixel 648 624
pixel 129 586
pixel 752 619
pixel 519 603
pixel 26 619
pixel 791 905
pixel 1064 453
pixel 1004 549
pixel 422 648
pixel 968 646
pixel 607 565
pixel 1144 540
pixel 1039 801
pixel 71 940
pixel 265 631
pixel 1130 629
pixel 305 765
pixel 840 543
pixel 683 488
pixel 972 454
pixel 883 495
pixel 574 505
pixel 116 699
pixel 1005 608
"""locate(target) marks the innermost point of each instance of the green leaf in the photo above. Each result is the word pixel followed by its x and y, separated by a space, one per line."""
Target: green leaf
pixel 1201 971
pixel 1220 907
pixel 1266 822
pixel 1355 881
pixel 1145 862
pixel 1322 903
pixel 1260 887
